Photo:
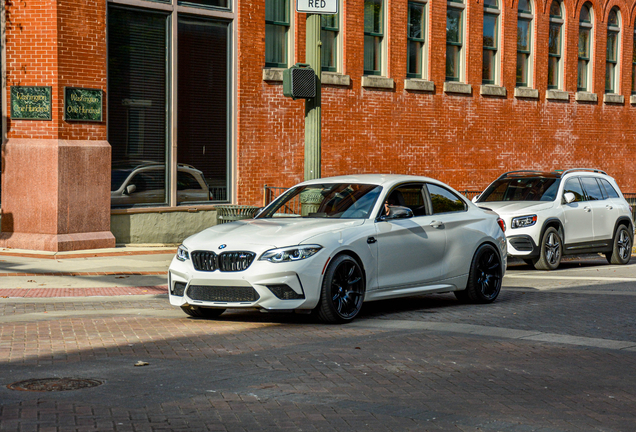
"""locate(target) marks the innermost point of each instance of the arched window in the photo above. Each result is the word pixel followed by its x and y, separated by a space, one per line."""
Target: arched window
pixel 583 82
pixel 555 46
pixel 611 60
pixel 490 41
pixel 524 43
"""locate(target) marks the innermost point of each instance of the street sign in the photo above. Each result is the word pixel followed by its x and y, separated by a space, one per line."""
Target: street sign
pixel 325 7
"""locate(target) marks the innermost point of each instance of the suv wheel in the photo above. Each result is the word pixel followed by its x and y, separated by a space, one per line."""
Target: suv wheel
pixel 551 250
pixel 622 247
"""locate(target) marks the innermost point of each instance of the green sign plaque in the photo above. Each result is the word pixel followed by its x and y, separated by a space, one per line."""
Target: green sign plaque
pixel 30 103
pixel 82 104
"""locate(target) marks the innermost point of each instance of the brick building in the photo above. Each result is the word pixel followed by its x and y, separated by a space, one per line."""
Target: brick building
pixel 192 90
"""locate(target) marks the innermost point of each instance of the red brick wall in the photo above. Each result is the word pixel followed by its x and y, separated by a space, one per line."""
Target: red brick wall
pixel 464 140
pixel 56 43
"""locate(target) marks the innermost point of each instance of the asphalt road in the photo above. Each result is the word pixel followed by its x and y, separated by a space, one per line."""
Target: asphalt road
pixel 555 352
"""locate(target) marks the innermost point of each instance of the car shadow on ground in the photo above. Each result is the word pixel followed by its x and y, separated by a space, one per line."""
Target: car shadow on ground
pixel 568 262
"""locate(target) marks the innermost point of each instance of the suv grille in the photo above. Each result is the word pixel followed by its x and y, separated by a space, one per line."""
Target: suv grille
pixel 225 262
pixel 222 293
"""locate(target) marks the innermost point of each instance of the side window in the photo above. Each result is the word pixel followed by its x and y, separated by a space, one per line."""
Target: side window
pixel 410 196
pixel 611 192
pixel 573 185
pixel 186 181
pixel 445 201
pixel 592 189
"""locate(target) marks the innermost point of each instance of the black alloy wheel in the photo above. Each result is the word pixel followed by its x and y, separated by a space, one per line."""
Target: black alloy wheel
pixel 551 250
pixel 621 248
pixel 485 277
pixel 342 291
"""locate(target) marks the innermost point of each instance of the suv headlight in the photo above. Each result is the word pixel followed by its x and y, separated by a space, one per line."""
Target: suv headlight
pixel 523 221
pixel 182 253
pixel 291 253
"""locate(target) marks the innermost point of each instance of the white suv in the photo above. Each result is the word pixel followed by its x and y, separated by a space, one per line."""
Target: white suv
pixel 551 214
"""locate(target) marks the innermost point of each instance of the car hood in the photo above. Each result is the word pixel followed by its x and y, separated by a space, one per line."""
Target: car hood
pixel 269 233
pixel 516 207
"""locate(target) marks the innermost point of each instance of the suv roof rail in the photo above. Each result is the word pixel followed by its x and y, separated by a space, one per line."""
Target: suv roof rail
pixel 519 171
pixel 582 169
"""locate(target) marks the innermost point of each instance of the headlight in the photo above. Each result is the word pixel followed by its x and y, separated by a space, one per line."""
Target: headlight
pixel 523 221
pixel 182 253
pixel 291 253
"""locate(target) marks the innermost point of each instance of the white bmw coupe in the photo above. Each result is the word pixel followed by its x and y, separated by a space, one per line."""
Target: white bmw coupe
pixel 328 245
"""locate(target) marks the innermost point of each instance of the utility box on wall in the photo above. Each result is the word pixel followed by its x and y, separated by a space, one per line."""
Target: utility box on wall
pixel 299 82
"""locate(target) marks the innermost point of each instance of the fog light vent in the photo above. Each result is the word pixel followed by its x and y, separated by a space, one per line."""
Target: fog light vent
pixel 285 292
pixel 178 288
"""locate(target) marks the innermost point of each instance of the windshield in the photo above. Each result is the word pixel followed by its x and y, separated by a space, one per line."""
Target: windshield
pixel 333 200
pixel 521 189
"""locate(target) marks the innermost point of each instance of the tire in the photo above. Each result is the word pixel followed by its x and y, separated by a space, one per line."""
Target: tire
pixel 201 312
pixel 484 278
pixel 551 250
pixel 621 248
pixel 342 291
pixel 530 262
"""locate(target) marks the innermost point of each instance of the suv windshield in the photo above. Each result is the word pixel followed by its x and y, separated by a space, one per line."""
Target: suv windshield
pixel 333 200
pixel 522 189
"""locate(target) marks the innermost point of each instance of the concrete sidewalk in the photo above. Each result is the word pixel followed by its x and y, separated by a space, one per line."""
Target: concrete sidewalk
pixel 116 271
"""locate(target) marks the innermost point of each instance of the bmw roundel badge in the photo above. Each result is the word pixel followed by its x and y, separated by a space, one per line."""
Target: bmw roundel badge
pixel 223 246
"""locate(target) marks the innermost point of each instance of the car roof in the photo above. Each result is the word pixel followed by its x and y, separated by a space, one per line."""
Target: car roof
pixel 550 174
pixel 375 179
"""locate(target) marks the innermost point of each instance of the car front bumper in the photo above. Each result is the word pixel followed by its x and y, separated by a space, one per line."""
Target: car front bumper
pixel 264 285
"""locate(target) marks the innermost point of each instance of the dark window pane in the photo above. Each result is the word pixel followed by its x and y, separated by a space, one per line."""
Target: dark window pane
pixel 525 6
pixel 444 201
pixel 522 69
pixel 574 186
pixel 554 42
pixel 609 189
pixel 202 133
pixel 612 20
pixel 592 189
pixel 612 45
pixel 277 11
pixel 417 23
pixel 523 35
pixel 453 25
pixel 137 126
pixel 372 54
pixel 555 9
pixel 452 62
pixel 329 50
pixel 214 3
pixel 488 70
pixel 491 3
pixel 610 70
pixel 584 43
pixel 490 30
pixel 275 45
pixel 414 67
pixel 581 83
pixel 585 14
pixel 329 21
pixel 553 72
pixel 373 16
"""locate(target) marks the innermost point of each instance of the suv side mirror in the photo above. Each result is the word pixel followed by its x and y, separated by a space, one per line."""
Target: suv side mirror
pixel 569 197
pixel 397 212
pixel 475 198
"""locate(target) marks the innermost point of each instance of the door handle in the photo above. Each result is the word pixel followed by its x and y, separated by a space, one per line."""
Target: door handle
pixel 609 207
pixel 437 224
pixel 587 209
pixel 371 240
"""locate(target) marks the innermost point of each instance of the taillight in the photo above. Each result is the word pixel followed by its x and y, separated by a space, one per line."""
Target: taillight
pixel 502 224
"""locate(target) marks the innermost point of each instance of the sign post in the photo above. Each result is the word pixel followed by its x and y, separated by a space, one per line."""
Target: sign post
pixel 313 9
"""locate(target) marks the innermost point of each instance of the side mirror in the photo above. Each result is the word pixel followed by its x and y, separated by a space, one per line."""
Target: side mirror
pixel 130 189
pixel 475 198
pixel 397 212
pixel 569 197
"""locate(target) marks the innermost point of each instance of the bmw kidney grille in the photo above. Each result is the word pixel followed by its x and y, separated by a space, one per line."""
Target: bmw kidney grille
pixel 225 262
